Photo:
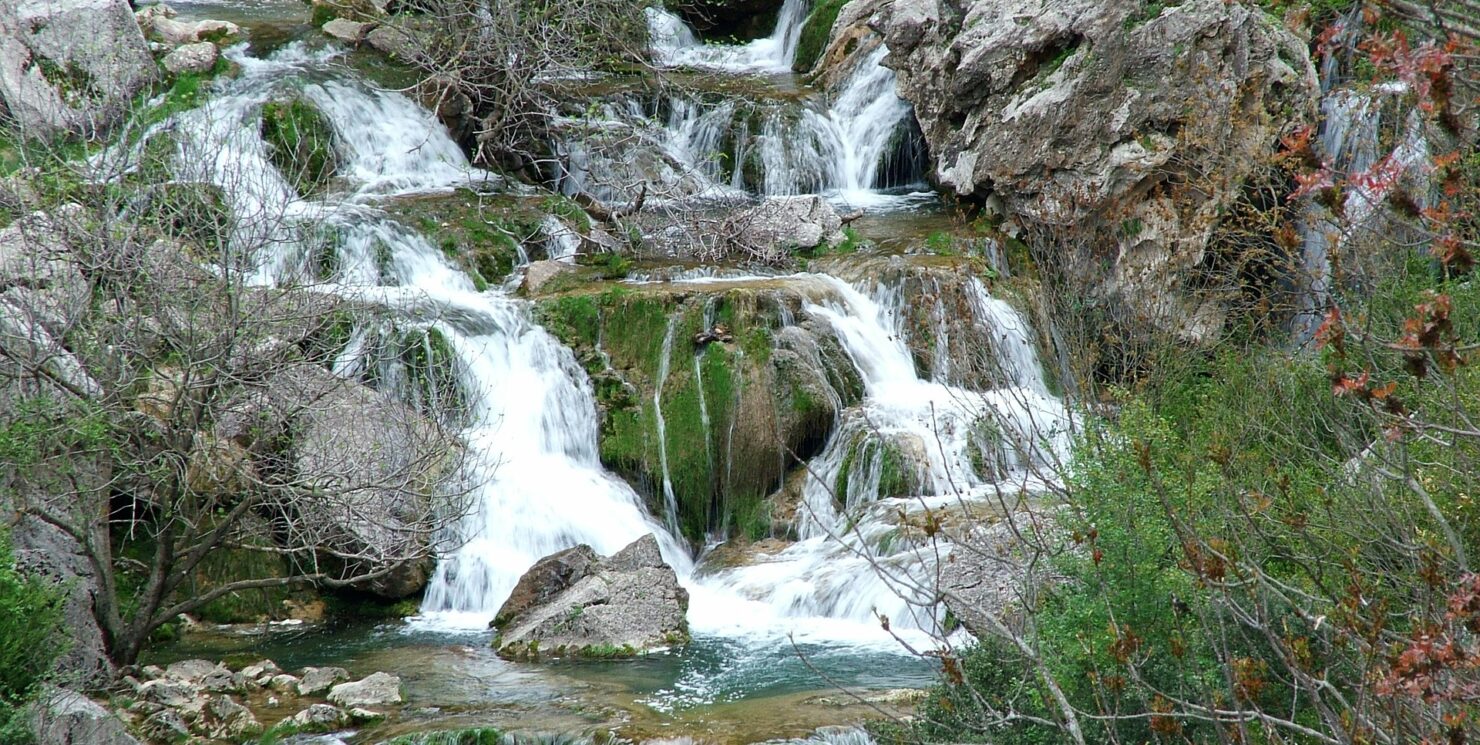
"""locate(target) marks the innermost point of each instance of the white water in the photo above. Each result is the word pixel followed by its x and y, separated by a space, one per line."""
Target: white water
pixel 677 46
pixel 855 562
pixel 534 477
pixel 733 145
pixel 536 484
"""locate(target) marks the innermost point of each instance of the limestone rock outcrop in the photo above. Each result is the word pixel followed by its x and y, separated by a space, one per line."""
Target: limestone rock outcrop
pixel 70 65
pixel 575 603
pixel 1122 128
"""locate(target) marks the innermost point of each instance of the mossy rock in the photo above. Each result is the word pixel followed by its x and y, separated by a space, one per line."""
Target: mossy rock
pixel 481 233
pixel 768 391
pixel 301 143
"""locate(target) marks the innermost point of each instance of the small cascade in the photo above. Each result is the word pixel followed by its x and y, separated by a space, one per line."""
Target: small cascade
pixel 863 143
pixel 1351 144
pixel 665 359
pixel 855 559
pixel 676 45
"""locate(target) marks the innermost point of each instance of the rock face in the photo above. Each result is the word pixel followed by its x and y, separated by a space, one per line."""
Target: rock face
pixel 70 65
pixel 1129 126
pixel 576 603
pixel 989 572
pixel 745 19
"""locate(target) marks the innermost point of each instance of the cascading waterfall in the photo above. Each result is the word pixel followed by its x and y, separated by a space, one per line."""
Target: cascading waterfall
pixel 849 148
pixel 852 561
pixel 530 421
pixel 677 45
pixel 536 482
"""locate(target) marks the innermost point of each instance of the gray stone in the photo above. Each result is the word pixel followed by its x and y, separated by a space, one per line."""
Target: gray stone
pixel 539 274
pixel 62 717
pixel 351 32
pixel 258 670
pixel 317 680
pixel 378 689
pixel 231 720
pixel 623 605
pixel 191 671
pixel 1086 116
pixel 318 716
pixel 989 574
pixel 284 683
pixel 786 223
pixel 197 57
pixel 70 65
pixel 171 693
pixel 165 726
pixel 365 715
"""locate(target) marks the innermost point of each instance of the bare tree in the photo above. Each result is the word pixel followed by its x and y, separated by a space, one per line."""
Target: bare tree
pixel 164 405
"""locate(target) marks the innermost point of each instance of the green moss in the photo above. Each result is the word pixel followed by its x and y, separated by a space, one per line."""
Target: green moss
pixel 470 736
pixel 300 143
pixel 815 32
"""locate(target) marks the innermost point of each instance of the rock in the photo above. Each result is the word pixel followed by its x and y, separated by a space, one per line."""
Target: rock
pixel 548 578
pixel 621 606
pixel 70 65
pixel 375 458
pixel 192 671
pixel 257 670
pixel 726 19
pixel 317 680
pixel 318 716
pixel 232 721
pixel 43 550
pixel 378 689
pixel 352 32
pixel 988 573
pixel 63 717
pixel 173 694
pixel 284 683
pixel 157 22
pixel 165 726
pixel 198 57
pixel 539 274
pixel 786 223
pixel 365 715
pixel 1107 129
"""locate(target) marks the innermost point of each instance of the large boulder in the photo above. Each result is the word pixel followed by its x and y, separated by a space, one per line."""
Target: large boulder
pixel 63 717
pixel 575 603
pixel 70 65
pixel 377 689
pixel 1121 129
pixel 375 463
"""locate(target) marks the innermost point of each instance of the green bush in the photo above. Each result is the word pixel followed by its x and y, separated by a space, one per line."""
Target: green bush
pixel 30 643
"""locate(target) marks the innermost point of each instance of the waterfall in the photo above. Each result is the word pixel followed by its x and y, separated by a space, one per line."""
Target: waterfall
pixel 848 150
pixel 855 559
pixel 529 418
pixel 676 45
pixel 535 481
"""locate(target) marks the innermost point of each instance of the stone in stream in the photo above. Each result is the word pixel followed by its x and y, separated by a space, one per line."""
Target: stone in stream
pixel 351 32
pixel 378 689
pixel 197 57
pixel 317 680
pixel 575 603
pixel 318 716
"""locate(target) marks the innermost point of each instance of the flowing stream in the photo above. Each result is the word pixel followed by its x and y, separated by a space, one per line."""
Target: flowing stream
pixel 530 425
